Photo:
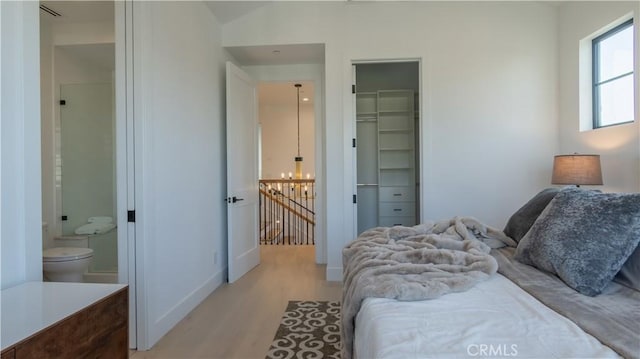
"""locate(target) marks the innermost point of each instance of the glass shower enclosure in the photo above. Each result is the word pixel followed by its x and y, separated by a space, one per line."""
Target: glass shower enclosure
pixel 85 169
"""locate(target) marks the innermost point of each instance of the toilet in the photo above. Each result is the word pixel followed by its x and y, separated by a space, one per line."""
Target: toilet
pixel 66 264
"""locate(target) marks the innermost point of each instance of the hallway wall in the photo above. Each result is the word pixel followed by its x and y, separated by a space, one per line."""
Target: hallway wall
pixel 489 97
pixel 279 139
pixel 181 161
pixel 20 181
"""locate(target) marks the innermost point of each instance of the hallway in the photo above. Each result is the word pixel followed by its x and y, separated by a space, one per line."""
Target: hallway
pixel 239 320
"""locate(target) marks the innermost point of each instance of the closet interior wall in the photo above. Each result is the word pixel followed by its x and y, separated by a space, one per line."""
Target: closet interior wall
pixel 388 142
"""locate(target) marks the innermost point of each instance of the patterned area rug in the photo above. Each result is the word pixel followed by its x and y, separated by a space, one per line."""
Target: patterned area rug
pixel 308 329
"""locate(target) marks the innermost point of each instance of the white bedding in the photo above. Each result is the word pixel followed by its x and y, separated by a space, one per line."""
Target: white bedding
pixel 496 318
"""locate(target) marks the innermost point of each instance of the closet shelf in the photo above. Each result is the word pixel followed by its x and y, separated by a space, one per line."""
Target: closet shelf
pixel 385 120
pixel 395 112
pixel 395 130
pixel 395 168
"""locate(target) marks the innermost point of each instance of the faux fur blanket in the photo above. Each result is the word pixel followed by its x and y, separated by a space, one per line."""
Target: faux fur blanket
pixel 415 263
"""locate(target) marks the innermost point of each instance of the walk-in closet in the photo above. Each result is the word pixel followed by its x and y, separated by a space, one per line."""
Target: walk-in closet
pixel 388 142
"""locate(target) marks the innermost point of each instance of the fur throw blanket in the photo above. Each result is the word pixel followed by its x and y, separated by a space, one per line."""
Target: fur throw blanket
pixel 415 263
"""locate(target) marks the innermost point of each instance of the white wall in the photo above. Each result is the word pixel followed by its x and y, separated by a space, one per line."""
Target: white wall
pixel 279 139
pixel 618 146
pixel 488 97
pixel 83 33
pixel 21 218
pixel 180 161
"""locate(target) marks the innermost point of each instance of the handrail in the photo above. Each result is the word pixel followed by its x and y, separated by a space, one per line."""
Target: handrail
pixel 287 180
pixel 286 206
pixel 290 199
pixel 287 211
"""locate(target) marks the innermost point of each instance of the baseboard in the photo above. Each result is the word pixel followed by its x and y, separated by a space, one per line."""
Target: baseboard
pixel 166 322
pixel 334 274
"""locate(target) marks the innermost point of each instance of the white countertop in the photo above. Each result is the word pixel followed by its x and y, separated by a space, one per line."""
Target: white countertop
pixel 32 306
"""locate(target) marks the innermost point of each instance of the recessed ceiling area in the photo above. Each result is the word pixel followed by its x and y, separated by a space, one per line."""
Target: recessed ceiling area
pixel 278 54
pixel 284 93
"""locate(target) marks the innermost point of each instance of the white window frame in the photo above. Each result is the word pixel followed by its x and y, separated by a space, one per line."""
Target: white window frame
pixel 596 82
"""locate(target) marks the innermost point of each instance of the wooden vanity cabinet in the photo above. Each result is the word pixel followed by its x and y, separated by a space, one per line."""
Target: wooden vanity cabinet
pixel 100 330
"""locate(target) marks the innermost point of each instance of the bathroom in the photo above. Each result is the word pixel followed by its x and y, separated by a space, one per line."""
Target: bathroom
pixel 77 55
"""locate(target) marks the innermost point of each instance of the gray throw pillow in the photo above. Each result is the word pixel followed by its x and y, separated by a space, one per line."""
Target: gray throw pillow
pixel 629 274
pixel 520 222
pixel 584 237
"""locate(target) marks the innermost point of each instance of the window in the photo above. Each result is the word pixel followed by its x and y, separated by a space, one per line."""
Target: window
pixel 613 76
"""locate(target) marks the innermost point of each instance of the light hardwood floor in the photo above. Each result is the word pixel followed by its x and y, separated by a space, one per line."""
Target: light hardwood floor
pixel 239 320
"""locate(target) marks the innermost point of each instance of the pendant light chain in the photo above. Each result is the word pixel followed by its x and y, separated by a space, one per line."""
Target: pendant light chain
pixel 298 88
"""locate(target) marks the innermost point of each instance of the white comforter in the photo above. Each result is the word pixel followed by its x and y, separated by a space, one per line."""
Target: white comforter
pixel 495 318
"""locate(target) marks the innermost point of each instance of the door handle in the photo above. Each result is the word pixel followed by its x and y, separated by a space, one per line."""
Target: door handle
pixel 234 199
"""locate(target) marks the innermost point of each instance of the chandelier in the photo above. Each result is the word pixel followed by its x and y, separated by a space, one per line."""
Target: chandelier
pixel 298 158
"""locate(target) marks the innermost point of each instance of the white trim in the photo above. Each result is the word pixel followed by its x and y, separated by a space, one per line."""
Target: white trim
pixel 585 74
pixel 140 125
pixel 124 157
pixel 31 133
pixel 21 156
pixel 180 310
pixel 636 56
pixel 610 26
pixel 306 72
pixel 334 274
pixel 350 132
pixel 354 150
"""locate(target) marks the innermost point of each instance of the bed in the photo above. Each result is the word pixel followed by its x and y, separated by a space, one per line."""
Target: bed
pixel 513 310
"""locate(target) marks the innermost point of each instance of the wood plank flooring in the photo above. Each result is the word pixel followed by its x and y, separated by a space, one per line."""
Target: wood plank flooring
pixel 239 320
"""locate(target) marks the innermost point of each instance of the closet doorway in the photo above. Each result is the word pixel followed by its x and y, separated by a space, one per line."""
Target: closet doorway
pixel 387 123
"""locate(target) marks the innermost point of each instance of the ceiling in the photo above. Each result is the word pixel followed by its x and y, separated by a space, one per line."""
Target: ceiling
pixel 79 11
pixel 102 11
pixel 227 11
pixel 100 55
pixel 278 54
pixel 284 93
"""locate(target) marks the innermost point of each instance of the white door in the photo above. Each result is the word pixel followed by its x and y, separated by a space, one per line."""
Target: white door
pixel 242 173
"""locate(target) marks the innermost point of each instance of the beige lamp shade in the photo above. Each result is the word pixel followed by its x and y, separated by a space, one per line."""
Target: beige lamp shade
pixel 577 170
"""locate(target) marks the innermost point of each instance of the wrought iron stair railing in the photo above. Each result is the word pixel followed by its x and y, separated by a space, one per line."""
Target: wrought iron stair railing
pixel 287 211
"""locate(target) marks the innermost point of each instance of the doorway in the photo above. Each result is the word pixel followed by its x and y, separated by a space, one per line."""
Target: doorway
pixel 387 123
pixel 286 119
pixel 78 131
pixel 84 151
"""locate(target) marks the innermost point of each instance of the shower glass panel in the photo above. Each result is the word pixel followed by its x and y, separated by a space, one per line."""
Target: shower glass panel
pixel 87 168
